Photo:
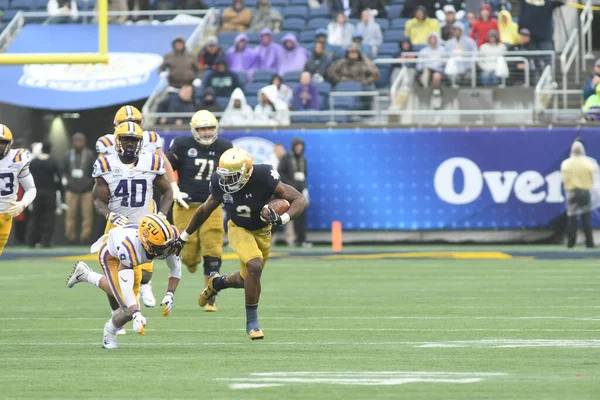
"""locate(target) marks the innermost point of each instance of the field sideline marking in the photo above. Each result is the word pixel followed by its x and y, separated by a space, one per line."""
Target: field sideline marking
pixel 310 330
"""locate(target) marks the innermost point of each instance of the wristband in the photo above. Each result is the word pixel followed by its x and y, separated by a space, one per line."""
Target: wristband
pixel 184 236
pixel 170 292
pixel 285 218
pixel 134 311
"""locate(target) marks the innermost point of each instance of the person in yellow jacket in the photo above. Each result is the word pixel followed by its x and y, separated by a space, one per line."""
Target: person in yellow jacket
pixel 419 28
pixel 509 29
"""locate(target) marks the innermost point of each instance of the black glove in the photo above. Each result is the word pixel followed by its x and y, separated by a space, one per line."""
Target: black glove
pixel 177 246
pixel 272 218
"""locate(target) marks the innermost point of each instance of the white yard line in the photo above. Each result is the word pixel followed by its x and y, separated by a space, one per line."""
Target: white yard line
pixel 308 330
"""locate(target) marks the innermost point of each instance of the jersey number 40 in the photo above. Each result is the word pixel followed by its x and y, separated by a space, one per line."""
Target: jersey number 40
pixel 132 193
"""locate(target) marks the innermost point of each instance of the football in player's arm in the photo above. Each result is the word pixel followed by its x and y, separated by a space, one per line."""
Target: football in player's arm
pixel 122 251
pixel 14 170
pixel 195 158
pixel 245 190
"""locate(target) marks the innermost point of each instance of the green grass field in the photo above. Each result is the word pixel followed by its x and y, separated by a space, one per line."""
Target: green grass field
pixel 335 329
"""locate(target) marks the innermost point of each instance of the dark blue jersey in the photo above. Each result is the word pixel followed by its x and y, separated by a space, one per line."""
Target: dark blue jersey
pixel 195 165
pixel 244 206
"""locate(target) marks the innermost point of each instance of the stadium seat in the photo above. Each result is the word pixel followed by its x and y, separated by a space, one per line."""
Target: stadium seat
pixel 222 3
pixel 278 35
pixel 252 89
pixel 394 11
pixel 310 119
pixel 22 5
pixel 324 101
pixel 263 75
pixel 354 21
pixel 394 35
pixel 222 101
pixel 8 15
pixel 297 2
pixel 227 37
pixel 338 51
pixel 323 87
pixel 384 78
pixel 243 78
pixel 295 12
pixel 251 3
pixel 292 85
pixel 82 5
pixel 384 23
pixel 279 3
pixel 2 26
pixel 316 23
pixel 307 37
pixel 4 4
pixel 348 86
pixel 252 100
pixel 293 24
pixel 253 37
pixel 321 12
pixel 398 23
pixel 292 76
pixel 388 50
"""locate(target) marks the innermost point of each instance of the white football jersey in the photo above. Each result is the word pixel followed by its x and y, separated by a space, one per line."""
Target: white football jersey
pixel 124 245
pixel 152 142
pixel 13 167
pixel 130 186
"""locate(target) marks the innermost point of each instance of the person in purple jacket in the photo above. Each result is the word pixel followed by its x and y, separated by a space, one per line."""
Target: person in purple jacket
pixel 293 57
pixel 306 95
pixel 267 52
pixel 240 57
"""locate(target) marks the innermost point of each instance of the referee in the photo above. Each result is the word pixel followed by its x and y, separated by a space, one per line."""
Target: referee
pixel 578 178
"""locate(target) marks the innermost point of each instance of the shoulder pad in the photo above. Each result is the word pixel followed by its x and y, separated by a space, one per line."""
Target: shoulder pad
pixel 127 254
pixel 104 143
pixel 101 166
pixel 21 156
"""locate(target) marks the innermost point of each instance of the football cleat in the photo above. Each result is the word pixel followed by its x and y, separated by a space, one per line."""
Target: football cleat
pixel 79 274
pixel 209 291
pixel 110 339
pixel 147 295
pixel 212 304
pixel 256 334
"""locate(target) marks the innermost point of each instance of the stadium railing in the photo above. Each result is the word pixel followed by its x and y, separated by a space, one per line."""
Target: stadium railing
pixel 9 32
pixel 88 16
pixel 585 23
pixel 569 55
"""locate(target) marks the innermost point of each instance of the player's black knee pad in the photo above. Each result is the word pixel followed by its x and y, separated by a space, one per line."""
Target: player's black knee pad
pixel 146 277
pixel 211 264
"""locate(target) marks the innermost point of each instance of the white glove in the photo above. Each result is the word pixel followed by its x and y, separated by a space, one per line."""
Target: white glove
pixel 139 322
pixel 178 196
pixel 16 208
pixel 197 82
pixel 306 195
pixel 167 301
pixel 117 219
pixel 164 74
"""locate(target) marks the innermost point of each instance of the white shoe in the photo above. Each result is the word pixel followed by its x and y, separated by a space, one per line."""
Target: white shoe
pixel 110 339
pixel 146 295
pixel 79 274
pixel 122 331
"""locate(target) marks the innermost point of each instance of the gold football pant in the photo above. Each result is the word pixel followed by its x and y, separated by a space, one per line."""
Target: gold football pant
pixel 249 245
pixel 206 241
pixel 5 227
pixel 149 267
pixel 110 267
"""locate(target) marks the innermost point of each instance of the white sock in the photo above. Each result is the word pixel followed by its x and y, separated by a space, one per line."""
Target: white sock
pixel 112 328
pixel 94 278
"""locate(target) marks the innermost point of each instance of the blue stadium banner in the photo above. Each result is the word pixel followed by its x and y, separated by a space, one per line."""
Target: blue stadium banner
pixel 396 179
pixel 135 53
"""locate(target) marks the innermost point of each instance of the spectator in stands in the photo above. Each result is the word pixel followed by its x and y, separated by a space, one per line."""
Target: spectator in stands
pixel 114 5
pixel 433 57
pixel 267 52
pixel 319 62
pixel 321 36
pixel 490 54
pixel 471 19
pixel 222 80
pixel 449 20
pixel 419 28
pixel 442 7
pixel 209 54
pixel 141 5
pixel 178 103
pixel 364 49
pixel 181 64
pixel 509 30
pixel 293 57
pixel 284 91
pixel 461 46
pixel 370 31
pixel 536 16
pixel 350 8
pixel 339 32
pixel 236 18
pixel 209 102
pixel 485 23
pixel 592 83
pixel 271 110
pixel 240 57
pixel 62 11
pixel 354 67
pixel 525 44
pixel 265 17
pixel 410 7
pixel 375 7
pixel 306 95
pixel 238 112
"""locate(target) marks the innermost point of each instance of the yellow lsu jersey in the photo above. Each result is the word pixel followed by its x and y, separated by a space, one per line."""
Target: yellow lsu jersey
pixel 13 167
pixel 152 142
pixel 130 185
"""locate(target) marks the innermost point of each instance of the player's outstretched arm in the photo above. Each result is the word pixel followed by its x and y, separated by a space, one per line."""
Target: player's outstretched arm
pixel 166 199
pixel 174 264
pixel 297 201
pixel 101 194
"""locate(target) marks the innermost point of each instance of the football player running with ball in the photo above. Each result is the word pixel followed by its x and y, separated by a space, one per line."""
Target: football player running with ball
pixel 245 190
pixel 121 251
pixel 195 158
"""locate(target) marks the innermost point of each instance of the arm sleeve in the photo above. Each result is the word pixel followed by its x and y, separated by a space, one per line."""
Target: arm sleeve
pixel 215 189
pixel 126 278
pixel 174 264
pixel 30 190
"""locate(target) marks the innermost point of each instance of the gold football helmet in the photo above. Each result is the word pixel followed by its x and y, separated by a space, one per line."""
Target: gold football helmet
pixel 205 127
pixel 128 114
pixel 129 139
pixel 157 235
pixel 235 169
pixel 6 140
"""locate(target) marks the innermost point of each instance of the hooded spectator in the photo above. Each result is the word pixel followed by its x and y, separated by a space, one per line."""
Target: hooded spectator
pixel 443 6
pixel 306 95
pixel 509 30
pixel 339 32
pixel 448 21
pixel 209 102
pixel 354 67
pixel 419 28
pixel 285 93
pixel 209 54
pixel 321 36
pixel 265 17
pixel 240 57
pixel 293 57
pixel 364 49
pixel 182 102
pixel 236 18
pixel 267 52
pixel 489 53
pixel 405 46
pixel 370 31
pixel 181 65
pixel 410 6
pixel 318 62
pixel 536 16
pixel 222 80
pixel 485 23
pixel 434 61
pixel 271 110
pixel 238 112
pixel 592 82
pixel 461 46
pixel 375 7
pixel 350 9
